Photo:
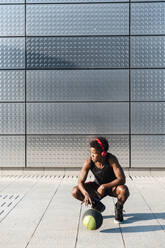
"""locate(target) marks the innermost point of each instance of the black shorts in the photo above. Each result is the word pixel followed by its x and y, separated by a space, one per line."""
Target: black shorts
pixel 94 186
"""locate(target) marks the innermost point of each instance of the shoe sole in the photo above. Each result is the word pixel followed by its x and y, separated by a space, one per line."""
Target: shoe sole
pixel 117 221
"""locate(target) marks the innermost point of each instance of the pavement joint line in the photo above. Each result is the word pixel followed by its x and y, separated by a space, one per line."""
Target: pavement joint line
pixel 122 235
pixel 120 228
pixel 44 212
pixel 162 227
pixel 78 226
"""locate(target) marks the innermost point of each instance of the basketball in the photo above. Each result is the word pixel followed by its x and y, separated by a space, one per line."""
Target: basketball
pixel 92 219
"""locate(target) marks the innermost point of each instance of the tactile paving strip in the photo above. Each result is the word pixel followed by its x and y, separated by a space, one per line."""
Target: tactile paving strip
pixel 7 203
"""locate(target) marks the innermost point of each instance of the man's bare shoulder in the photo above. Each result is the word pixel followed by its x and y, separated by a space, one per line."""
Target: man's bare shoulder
pixel 114 163
pixel 113 159
pixel 87 163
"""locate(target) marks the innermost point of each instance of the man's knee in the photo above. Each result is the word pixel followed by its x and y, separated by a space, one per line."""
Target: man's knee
pixel 124 190
pixel 75 191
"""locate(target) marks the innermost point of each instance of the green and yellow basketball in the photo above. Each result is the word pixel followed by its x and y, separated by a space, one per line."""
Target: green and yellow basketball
pixel 92 219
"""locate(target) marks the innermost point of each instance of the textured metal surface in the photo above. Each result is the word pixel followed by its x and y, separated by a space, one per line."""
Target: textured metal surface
pixel 12 20
pixel 12 118
pixel 148 118
pixel 147 0
pixel 7 203
pixel 78 19
pixel 12 53
pixel 148 85
pixel 12 151
pixel 77 118
pixel 87 18
pixel 12 85
pixel 72 1
pixel 147 151
pixel 148 51
pixel 77 52
pixel 12 1
pixel 148 18
pixel 68 151
pixel 77 85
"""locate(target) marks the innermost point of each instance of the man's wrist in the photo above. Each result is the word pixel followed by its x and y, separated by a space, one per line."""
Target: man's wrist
pixel 106 186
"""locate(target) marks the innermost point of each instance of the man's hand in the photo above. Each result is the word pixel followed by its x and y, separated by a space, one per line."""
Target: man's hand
pixel 101 190
pixel 87 200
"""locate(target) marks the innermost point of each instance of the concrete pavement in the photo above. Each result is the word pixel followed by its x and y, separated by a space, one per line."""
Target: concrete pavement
pixel 39 212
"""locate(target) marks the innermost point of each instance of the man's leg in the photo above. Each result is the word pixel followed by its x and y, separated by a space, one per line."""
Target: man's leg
pixel 122 194
pixel 91 188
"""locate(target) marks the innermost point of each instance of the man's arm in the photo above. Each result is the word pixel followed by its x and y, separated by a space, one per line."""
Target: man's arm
pixel 120 177
pixel 81 180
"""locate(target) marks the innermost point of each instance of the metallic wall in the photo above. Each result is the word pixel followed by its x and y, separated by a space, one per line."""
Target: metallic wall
pixel 74 69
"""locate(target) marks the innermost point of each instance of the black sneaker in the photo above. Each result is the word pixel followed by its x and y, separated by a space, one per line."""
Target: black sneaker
pixel 118 213
pixel 99 206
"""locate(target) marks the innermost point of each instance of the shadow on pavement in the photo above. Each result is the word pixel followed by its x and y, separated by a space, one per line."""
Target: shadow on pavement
pixel 135 217
pixel 131 229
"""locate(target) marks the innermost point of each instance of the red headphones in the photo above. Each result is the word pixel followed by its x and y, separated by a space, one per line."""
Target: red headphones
pixel 104 153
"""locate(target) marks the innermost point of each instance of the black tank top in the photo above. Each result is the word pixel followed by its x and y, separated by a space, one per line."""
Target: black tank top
pixel 106 174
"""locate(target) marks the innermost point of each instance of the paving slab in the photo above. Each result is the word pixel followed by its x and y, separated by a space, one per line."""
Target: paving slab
pixel 105 236
pixel 153 194
pixel 23 220
pixel 5 181
pixel 47 216
pixel 58 227
pixel 141 228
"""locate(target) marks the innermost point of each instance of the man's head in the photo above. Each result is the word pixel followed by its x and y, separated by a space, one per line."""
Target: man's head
pixel 99 148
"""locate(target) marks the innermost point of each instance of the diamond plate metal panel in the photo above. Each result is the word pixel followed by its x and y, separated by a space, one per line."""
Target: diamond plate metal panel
pixel 12 1
pixel 78 19
pixel 148 85
pixel 77 118
pixel 12 20
pixel 148 118
pixel 12 85
pixel 77 52
pixel 12 53
pixel 78 85
pixel 148 151
pixel 72 1
pixel 12 118
pixel 12 151
pixel 148 51
pixel 147 0
pixel 70 150
pixel 148 18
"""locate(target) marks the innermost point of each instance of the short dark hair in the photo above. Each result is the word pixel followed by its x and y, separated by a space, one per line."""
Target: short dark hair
pixel 97 146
